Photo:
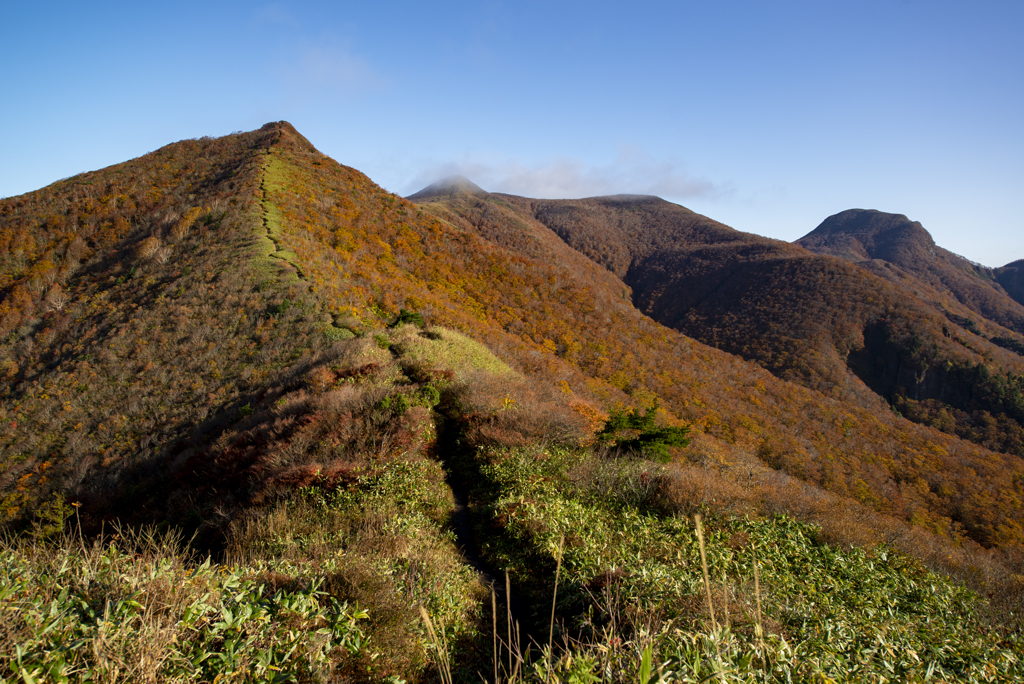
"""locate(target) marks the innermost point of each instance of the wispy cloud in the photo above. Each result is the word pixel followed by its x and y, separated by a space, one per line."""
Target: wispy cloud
pixel 311 61
pixel 331 68
pixel 633 171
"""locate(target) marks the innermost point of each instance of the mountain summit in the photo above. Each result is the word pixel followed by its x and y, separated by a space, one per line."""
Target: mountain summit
pixel 894 247
pixel 864 234
pixel 452 185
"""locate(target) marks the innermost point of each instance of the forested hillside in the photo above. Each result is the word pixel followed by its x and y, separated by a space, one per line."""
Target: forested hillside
pixel 350 397
pixel 878 242
pixel 859 334
pixel 1011 277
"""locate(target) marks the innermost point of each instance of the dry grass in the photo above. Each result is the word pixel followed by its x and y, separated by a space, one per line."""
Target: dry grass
pixel 136 607
pixel 382 549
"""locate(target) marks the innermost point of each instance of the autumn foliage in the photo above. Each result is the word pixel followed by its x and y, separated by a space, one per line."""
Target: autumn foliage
pixel 214 317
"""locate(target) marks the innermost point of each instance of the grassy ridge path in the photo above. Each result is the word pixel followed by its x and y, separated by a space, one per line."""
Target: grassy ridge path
pixel 459 466
pixel 462 470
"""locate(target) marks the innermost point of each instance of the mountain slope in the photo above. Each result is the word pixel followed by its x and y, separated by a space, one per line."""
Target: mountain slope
pixel 1011 277
pixel 505 215
pixel 843 330
pixel 241 356
pixel 331 255
pixel 864 237
pixel 173 311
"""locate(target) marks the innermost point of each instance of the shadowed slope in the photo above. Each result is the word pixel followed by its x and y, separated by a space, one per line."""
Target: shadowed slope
pixel 868 238
pixel 1011 277
pixel 835 327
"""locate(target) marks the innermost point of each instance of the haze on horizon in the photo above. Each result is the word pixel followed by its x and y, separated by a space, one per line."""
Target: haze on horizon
pixel 767 118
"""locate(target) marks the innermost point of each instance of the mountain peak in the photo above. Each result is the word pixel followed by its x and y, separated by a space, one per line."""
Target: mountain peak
pixel 452 185
pixel 865 234
pixel 287 135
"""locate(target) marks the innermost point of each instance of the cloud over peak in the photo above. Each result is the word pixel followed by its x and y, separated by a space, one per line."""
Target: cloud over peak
pixel 633 171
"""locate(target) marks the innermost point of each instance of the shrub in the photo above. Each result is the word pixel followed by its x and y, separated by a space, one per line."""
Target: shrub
pixel 407 317
pixel 635 432
pixel 140 609
pixel 182 225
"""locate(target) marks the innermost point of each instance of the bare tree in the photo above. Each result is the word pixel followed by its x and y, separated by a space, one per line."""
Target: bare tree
pixel 57 298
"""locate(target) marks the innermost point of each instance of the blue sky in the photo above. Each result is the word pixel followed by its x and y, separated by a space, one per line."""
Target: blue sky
pixel 767 116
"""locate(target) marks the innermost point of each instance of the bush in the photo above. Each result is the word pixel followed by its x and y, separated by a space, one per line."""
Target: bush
pixel 635 432
pixel 407 317
pixel 139 609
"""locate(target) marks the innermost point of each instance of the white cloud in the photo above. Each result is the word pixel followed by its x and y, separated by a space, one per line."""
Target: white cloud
pixel 326 67
pixel 633 171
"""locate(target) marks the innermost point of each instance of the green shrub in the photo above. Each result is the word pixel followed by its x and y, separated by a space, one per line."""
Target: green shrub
pixel 336 334
pixel 405 316
pixel 430 396
pixel 139 610
pixel 636 432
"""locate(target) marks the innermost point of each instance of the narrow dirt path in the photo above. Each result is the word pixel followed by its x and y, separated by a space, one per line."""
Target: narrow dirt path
pixel 461 470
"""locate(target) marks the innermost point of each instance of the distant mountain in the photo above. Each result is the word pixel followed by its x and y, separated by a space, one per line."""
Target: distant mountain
pixel 876 241
pixel 860 331
pixel 1011 277
pixel 861 235
pixel 452 185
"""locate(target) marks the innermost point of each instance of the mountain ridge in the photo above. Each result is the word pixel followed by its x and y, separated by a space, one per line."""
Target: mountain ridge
pixel 836 326
pixel 235 346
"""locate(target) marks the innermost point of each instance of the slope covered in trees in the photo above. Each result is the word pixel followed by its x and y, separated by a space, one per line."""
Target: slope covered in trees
pixel 237 356
pixel 853 333
pixel 878 241
pixel 101 391
pixel 1011 277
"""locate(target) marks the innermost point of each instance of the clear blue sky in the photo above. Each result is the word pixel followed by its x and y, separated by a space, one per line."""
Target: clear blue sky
pixel 768 116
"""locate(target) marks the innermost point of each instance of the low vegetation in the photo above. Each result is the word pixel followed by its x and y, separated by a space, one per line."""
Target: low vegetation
pixel 138 607
pixel 264 421
pixel 367 583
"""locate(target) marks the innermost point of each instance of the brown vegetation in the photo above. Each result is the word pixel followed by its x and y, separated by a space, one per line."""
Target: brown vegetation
pixel 231 372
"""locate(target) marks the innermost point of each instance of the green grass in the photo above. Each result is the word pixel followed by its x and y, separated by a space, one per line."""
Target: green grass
pixel 270 237
pixel 632 580
pixel 442 348
pixel 384 544
pixel 139 609
pixel 327 585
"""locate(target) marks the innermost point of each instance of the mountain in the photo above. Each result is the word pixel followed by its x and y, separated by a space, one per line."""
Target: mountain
pixel 1011 277
pixel 452 185
pixel 861 334
pixel 861 235
pixel 354 398
pixel 874 239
